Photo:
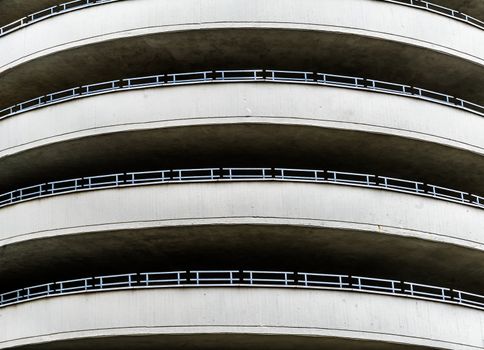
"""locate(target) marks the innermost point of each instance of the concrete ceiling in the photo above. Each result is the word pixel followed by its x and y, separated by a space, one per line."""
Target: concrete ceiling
pixel 220 341
pixel 244 48
pixel 258 247
pixel 231 145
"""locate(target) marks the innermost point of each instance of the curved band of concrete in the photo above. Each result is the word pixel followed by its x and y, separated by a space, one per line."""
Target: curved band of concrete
pixel 238 203
pixel 227 103
pixel 152 16
pixel 382 21
pixel 276 312
pixel 14 9
pixel 237 104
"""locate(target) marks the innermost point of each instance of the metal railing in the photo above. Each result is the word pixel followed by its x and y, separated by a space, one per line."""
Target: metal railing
pixel 80 4
pixel 243 278
pixel 441 10
pixel 50 12
pixel 238 174
pixel 251 75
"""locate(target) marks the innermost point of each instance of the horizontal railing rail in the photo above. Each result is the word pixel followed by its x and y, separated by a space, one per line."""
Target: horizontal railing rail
pixel 50 12
pixel 252 75
pixel 243 278
pixel 80 4
pixel 442 10
pixel 238 174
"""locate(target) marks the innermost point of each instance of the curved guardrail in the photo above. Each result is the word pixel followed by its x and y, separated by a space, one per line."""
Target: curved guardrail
pixel 50 12
pixel 80 4
pixel 441 10
pixel 238 174
pixel 237 76
pixel 243 278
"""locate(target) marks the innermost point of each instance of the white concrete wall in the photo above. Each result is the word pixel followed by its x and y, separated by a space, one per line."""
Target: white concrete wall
pixel 263 311
pixel 256 202
pixel 268 103
pixel 142 17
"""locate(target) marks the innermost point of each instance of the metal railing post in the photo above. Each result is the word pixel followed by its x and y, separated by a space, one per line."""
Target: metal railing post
pixel 264 74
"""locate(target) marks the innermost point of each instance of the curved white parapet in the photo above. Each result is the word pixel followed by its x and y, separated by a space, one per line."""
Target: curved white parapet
pixel 239 103
pixel 274 312
pixel 47 12
pixel 381 20
pixel 244 203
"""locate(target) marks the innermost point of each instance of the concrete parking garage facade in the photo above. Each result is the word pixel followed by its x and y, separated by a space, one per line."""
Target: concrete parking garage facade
pixel 331 139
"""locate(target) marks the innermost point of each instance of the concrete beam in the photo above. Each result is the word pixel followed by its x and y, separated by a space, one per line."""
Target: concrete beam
pixel 335 38
pixel 325 205
pixel 11 10
pixel 274 312
pixel 404 226
pixel 333 128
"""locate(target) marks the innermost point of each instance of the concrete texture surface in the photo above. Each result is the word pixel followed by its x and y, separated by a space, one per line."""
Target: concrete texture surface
pixel 218 35
pixel 337 214
pixel 219 341
pixel 299 204
pixel 244 311
pixel 292 125
pixel 259 225
pixel 242 246
pixel 295 104
pixel 11 10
